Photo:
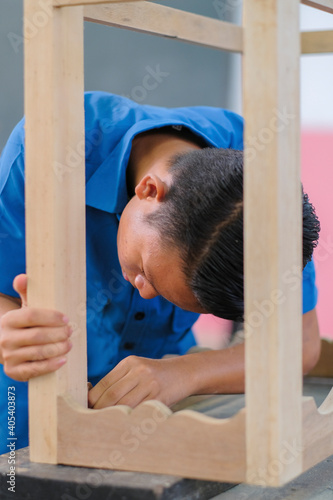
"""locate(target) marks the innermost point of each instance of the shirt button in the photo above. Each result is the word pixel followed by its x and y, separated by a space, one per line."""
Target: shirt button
pixel 139 316
pixel 129 345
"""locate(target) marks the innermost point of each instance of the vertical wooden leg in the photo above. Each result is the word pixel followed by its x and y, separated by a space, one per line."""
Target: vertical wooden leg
pixel 55 201
pixel 272 240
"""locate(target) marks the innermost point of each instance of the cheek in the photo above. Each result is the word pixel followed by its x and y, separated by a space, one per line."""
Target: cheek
pixel 127 247
pixel 122 242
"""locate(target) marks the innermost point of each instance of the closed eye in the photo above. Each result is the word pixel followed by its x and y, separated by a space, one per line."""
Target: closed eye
pixel 149 281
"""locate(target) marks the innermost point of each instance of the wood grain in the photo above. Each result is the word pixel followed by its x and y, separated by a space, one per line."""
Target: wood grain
pixel 69 3
pixel 167 22
pixel 317 42
pixel 55 202
pixel 152 439
pixel 325 5
pixel 317 431
pixel 273 224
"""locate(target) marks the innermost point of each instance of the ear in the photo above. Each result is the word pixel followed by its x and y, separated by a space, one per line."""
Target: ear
pixel 151 187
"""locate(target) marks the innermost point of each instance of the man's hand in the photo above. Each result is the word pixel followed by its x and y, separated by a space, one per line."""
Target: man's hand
pixel 33 341
pixel 137 379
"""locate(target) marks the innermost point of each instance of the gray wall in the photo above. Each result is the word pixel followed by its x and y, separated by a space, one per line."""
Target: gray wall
pixel 117 61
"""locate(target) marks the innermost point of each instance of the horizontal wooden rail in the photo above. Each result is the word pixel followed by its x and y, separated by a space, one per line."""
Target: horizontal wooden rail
pixel 168 22
pixel 326 5
pixel 71 3
pixel 317 42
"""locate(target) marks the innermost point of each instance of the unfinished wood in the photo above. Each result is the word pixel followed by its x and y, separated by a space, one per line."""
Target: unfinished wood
pixel 55 202
pixel 326 5
pixel 152 439
pixel 317 431
pixel 68 3
pixel 272 198
pixel 168 22
pixel 317 42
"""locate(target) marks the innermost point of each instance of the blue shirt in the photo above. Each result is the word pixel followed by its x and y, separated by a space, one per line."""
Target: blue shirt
pixel 119 321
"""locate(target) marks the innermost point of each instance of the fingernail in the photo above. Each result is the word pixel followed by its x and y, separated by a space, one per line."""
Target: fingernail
pixel 65 319
pixel 62 361
pixel 70 331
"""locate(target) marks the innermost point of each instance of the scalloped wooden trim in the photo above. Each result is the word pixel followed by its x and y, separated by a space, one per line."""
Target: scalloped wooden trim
pixel 188 443
pixel 317 431
pixel 151 438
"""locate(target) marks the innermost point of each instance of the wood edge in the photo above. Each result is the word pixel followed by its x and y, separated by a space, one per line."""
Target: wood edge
pixel 98 14
pixel 76 3
pixel 194 441
pixel 327 405
pixel 325 5
pixel 317 432
pixel 66 401
pixel 315 42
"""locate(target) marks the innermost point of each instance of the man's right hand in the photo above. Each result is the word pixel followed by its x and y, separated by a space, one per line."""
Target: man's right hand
pixel 33 341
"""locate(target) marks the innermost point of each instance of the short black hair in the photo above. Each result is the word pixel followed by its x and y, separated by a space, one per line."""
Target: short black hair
pixel 203 217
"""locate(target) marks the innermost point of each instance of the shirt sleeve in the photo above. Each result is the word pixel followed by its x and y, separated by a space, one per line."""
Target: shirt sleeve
pixel 310 292
pixel 12 223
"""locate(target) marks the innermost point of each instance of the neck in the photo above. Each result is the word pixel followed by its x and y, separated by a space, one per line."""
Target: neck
pixel 151 152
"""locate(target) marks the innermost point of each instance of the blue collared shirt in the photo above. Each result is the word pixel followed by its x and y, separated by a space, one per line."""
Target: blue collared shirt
pixel 119 321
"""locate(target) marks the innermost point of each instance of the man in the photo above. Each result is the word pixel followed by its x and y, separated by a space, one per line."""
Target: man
pixel 164 222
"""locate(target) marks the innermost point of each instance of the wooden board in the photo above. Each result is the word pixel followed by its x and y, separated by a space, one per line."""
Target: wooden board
pixel 317 42
pixel 152 439
pixel 68 3
pixel 188 443
pixel 317 431
pixel 272 204
pixel 325 5
pixel 167 22
pixel 55 203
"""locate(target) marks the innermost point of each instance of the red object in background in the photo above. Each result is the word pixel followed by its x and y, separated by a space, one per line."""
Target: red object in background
pixel 317 177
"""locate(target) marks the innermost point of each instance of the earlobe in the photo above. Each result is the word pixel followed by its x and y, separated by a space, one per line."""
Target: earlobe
pixel 151 187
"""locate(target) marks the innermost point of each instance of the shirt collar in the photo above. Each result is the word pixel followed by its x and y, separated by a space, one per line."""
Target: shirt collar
pixel 106 189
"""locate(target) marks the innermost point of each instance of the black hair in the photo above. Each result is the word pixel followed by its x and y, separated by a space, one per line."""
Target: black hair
pixel 203 217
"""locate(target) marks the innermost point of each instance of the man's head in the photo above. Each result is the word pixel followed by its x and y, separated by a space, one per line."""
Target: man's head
pixel 197 224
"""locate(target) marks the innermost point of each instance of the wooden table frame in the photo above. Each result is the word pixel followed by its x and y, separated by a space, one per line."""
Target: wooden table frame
pixel 279 434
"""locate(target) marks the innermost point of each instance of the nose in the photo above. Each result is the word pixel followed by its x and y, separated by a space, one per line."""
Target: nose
pixel 139 282
pixel 145 289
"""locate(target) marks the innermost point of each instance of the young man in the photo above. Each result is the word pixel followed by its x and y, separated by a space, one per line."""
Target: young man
pixel 164 222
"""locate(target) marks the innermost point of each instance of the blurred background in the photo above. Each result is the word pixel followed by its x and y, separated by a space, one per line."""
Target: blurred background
pixel 117 60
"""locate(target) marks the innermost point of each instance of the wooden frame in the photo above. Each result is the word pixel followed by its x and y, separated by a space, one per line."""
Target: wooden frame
pixel 279 434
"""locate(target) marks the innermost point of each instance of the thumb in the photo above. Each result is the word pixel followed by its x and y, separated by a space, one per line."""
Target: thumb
pixel 20 286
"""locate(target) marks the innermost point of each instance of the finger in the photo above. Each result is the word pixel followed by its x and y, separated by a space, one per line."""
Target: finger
pixel 114 376
pixel 37 353
pixel 30 370
pixel 29 317
pixel 35 337
pixel 20 286
pixel 135 397
pixel 114 393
